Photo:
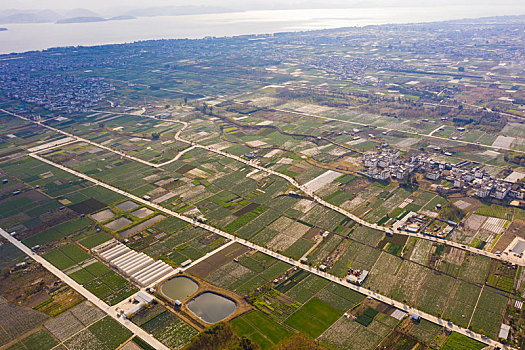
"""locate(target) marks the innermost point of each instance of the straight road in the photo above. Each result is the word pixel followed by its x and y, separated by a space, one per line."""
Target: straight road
pixel 509 258
pixel 81 139
pixel 403 131
pixel 136 330
pixel 283 258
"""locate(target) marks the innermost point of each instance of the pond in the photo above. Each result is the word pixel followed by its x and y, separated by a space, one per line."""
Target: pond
pixel 211 307
pixel 179 288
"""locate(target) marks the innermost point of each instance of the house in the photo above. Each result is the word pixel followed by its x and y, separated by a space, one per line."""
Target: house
pixel 434 175
pixel 358 277
pixel 142 299
pixel 504 331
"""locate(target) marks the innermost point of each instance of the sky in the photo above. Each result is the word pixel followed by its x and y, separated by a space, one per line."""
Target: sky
pixel 105 5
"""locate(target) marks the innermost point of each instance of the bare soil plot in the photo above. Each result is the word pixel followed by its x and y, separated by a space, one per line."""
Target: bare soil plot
pixel 421 251
pixel 217 260
pixel 503 141
pixel 88 206
pixel 64 325
pixel 142 212
pixel 474 222
pixel 462 204
pixel 118 224
pixel 16 320
pixel 103 215
pixel 311 233
pixel 246 209
pixel 516 229
pixel 127 205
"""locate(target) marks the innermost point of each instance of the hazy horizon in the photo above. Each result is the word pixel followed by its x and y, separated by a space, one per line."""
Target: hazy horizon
pixel 246 5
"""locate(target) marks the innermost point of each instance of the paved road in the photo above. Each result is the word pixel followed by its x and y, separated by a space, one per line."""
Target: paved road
pixel 509 258
pixel 81 139
pixel 136 330
pixel 281 257
pixel 403 131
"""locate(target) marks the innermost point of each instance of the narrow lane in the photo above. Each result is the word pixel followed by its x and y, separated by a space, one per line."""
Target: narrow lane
pixel 136 330
pixel 283 258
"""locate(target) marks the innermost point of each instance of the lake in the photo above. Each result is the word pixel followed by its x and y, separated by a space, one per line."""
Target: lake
pixel 38 36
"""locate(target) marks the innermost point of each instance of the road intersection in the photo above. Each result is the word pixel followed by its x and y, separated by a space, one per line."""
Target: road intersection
pixel 298 264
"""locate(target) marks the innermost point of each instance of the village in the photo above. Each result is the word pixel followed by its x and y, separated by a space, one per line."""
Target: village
pixel 464 176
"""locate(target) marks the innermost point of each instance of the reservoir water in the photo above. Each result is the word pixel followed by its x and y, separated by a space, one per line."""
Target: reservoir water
pixel 179 288
pixel 38 36
pixel 211 307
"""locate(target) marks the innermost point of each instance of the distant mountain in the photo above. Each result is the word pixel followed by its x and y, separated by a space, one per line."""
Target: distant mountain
pixel 92 19
pixel 28 16
pixel 121 18
pixel 80 20
pixel 177 11
pixel 81 15
pixel 80 12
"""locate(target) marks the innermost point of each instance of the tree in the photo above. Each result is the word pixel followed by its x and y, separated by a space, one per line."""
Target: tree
pixel 219 337
pixel 299 342
pixel 185 100
pixel 155 135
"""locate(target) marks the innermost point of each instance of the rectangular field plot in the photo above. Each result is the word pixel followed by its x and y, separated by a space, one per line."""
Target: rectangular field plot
pixel 314 317
pixel 16 321
pixel 40 340
pixel 461 303
pixel 434 294
pixel 260 329
pixel 409 279
pixel 475 268
pixel 103 282
pixel 339 297
pixel 425 331
pixel 58 232
pixel 307 288
pixel 66 256
pixel 170 330
pixel 346 334
pixel 489 312
pixel 458 341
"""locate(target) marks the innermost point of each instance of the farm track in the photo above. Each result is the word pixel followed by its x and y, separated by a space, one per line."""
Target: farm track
pixel 248 244
pixel 508 258
pixel 136 330
pixel 311 194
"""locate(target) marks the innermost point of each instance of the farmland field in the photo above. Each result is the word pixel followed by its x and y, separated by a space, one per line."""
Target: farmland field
pixel 314 317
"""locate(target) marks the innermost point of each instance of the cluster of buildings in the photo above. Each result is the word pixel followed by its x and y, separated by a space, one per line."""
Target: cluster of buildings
pixel 65 93
pixel 387 164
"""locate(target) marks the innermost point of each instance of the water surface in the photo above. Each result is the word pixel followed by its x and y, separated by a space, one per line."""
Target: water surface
pixel 211 307
pixel 38 36
pixel 179 288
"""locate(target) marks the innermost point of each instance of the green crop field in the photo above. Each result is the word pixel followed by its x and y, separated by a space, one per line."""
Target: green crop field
pixel 110 332
pixel 458 341
pixel 314 317
pixel 256 326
